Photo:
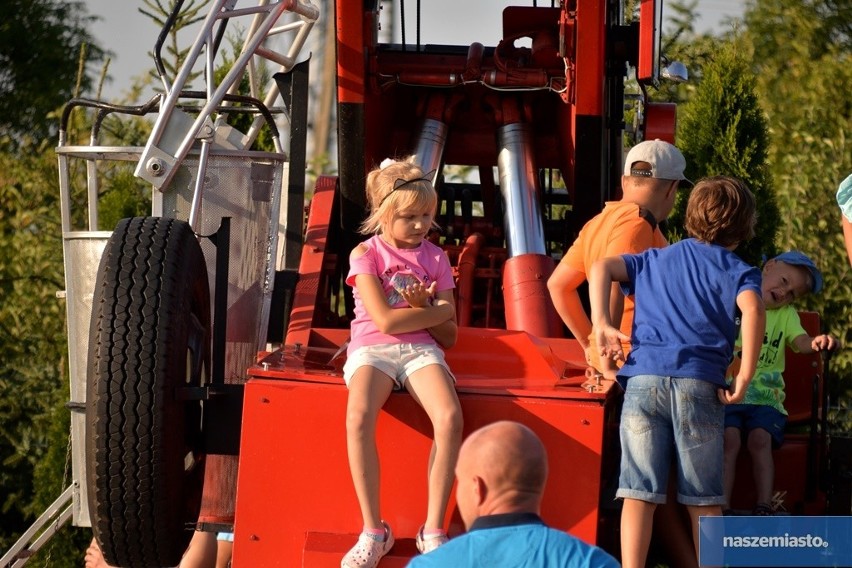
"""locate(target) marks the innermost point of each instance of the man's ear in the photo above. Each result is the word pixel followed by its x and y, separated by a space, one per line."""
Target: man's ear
pixel 480 490
pixel 672 189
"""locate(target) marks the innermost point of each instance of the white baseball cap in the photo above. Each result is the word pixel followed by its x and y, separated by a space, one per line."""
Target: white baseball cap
pixel 665 159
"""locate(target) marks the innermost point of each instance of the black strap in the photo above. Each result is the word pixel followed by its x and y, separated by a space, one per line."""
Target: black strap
pixel 648 216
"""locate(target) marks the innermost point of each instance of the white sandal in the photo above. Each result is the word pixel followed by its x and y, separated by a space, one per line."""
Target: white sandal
pixel 429 543
pixel 368 551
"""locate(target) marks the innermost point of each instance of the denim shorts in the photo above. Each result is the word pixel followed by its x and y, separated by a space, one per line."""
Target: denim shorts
pixel 748 417
pixel 667 419
pixel 397 360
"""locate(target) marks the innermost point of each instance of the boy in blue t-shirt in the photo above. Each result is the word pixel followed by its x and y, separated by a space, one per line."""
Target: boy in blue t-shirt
pixel 761 416
pixel 684 329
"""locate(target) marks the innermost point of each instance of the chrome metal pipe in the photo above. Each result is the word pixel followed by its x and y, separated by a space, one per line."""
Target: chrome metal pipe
pixel 429 149
pixel 519 188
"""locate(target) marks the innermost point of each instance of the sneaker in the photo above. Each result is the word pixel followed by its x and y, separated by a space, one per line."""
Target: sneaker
pixel 429 543
pixel 368 551
pixel 762 510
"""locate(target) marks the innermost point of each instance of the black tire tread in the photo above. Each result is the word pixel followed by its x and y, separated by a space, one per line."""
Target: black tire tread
pixel 152 277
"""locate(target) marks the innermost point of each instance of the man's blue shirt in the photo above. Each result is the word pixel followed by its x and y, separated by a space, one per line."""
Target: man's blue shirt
pixel 515 540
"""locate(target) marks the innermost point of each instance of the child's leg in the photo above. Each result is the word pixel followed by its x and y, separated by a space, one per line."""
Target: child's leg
pixel 646 458
pixel 700 439
pixel 696 511
pixel 637 519
pixel 201 551
pixel 369 389
pixel 224 551
pixel 760 448
pixel 671 525
pixel 732 450
pixel 433 389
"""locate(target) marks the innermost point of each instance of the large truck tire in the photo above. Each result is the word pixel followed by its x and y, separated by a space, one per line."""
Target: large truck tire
pixel 150 336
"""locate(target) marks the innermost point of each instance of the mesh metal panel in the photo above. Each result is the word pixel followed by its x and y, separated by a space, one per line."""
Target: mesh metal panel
pixel 245 187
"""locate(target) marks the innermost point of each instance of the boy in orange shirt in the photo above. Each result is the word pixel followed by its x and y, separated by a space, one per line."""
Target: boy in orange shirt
pixel 652 172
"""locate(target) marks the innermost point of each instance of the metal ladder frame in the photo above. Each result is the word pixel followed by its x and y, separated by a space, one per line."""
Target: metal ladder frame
pixel 56 515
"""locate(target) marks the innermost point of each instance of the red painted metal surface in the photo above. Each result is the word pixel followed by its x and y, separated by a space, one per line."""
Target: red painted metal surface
pixel 648 39
pixel 351 28
pixel 293 447
pixel 528 304
pixel 220 487
pixel 308 298
pixel 590 57
pixel 660 121
pixel 464 284
pixel 401 88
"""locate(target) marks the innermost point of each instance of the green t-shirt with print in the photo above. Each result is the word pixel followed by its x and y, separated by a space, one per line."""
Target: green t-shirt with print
pixel 767 386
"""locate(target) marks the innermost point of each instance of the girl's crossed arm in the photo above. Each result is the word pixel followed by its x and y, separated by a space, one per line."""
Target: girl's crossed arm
pixel 392 321
pixel 447 332
pixel 419 296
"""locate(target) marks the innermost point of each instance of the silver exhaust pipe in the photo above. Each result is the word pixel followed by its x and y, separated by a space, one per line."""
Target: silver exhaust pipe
pixel 429 150
pixel 519 188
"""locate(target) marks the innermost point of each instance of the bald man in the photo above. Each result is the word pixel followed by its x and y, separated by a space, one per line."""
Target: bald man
pixel 501 473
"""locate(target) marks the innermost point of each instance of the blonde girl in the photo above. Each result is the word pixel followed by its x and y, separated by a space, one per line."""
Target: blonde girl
pixel 404 315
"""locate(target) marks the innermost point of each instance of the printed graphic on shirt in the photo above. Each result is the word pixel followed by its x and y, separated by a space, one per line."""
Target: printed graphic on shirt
pixel 772 346
pixel 767 388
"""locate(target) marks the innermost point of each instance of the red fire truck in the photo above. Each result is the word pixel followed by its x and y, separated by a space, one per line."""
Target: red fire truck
pixel 207 340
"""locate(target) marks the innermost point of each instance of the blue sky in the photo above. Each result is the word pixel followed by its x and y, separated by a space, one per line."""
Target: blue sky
pixel 131 35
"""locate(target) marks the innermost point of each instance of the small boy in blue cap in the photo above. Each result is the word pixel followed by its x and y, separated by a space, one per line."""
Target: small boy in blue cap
pixel 761 416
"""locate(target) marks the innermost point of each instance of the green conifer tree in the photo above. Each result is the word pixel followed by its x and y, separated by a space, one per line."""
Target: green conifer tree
pixel 722 131
pixel 802 52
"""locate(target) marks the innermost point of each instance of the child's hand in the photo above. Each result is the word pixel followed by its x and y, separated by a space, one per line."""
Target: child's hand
pixel 417 295
pixel 587 354
pixel 734 367
pixel 608 339
pixel 735 394
pixel 824 342
pixel 610 374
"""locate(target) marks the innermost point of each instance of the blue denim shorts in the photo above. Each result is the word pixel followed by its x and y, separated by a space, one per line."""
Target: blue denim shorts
pixel 667 420
pixel 397 360
pixel 748 417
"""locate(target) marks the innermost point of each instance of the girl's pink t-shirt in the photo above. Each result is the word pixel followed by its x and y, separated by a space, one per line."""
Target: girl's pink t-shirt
pixel 395 268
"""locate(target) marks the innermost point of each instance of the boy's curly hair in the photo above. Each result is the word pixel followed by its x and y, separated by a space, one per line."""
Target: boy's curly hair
pixel 721 210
